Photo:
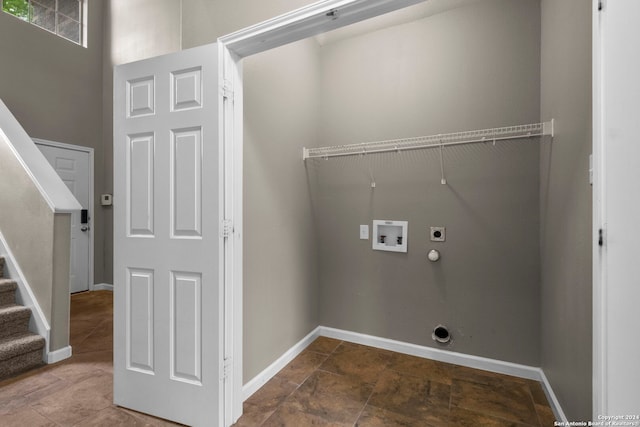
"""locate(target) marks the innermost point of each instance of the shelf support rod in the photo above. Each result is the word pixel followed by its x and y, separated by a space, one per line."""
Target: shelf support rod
pixel 443 180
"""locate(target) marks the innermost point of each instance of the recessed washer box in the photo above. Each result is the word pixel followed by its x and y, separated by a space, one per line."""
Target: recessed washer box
pixel 390 235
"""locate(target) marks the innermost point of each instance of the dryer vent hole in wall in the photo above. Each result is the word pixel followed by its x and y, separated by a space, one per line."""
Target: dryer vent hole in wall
pixel 441 335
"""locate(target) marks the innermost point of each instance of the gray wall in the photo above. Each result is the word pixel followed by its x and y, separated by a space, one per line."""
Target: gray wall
pixel 470 68
pixel 566 202
pixel 54 88
pixel 61 262
pixel 280 244
pixel 39 240
pixel 30 234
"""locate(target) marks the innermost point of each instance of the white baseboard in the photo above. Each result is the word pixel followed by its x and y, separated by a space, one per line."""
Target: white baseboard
pixel 59 355
pixel 477 362
pixel 103 287
pixel 261 379
pixel 468 360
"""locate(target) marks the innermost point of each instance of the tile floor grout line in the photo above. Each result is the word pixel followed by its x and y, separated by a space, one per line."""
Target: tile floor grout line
pixel 44 416
pixel 535 409
pixel 365 405
pixel 283 400
pixel 386 368
pixel 84 338
pixel 450 397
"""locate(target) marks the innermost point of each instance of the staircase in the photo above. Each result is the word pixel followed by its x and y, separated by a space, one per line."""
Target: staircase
pixel 20 349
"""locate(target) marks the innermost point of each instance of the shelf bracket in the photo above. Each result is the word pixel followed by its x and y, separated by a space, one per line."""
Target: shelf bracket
pixel 548 127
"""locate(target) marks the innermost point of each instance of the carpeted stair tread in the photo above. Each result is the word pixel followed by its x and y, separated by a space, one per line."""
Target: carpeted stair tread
pixel 7 285
pixel 14 319
pixel 11 311
pixel 17 345
pixel 19 364
pixel 20 353
pixel 7 292
pixel 20 349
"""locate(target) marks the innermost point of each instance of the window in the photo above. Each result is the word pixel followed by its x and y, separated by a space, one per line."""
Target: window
pixel 61 17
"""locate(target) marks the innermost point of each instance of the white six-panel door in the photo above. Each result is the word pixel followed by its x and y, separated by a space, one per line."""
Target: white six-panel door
pixel 167 242
pixel 73 168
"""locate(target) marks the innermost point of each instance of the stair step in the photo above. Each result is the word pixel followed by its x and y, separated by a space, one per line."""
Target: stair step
pixel 20 353
pixel 7 292
pixel 7 285
pixel 14 320
pixel 20 344
pixel 20 349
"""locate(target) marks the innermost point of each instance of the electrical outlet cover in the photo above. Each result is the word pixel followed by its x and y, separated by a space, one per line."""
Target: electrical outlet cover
pixel 437 234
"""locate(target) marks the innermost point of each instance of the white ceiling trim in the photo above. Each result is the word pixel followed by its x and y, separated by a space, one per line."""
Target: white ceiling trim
pixel 307 22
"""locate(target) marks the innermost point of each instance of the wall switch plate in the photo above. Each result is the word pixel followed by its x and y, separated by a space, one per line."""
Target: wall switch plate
pixel 437 234
pixel 364 232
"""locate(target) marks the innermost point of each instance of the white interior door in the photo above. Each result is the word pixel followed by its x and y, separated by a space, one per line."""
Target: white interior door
pixel 167 242
pixel 73 167
pixel 617 136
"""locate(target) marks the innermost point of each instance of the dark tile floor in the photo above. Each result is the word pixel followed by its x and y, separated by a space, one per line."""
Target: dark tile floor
pixel 79 390
pixel 336 383
pixel 331 383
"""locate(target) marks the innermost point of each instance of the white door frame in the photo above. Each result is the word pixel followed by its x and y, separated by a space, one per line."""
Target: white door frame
pixel 599 393
pixel 317 18
pixel 614 289
pixel 90 152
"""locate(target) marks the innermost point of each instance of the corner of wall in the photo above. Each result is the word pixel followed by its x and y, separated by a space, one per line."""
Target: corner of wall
pixel 566 205
pixel 60 294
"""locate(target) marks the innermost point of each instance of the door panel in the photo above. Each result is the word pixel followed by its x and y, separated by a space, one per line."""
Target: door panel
pixel 73 167
pixel 186 183
pixel 140 162
pixel 167 245
pixel 139 322
pixel 617 307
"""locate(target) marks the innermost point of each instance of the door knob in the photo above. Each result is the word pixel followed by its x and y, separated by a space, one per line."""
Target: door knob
pixel 84 228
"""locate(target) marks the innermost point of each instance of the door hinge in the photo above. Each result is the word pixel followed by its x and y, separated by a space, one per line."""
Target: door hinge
pixel 227 366
pixel 600 237
pixel 226 89
pixel 226 228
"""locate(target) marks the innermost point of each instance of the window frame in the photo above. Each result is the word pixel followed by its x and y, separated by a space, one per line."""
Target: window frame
pixel 81 21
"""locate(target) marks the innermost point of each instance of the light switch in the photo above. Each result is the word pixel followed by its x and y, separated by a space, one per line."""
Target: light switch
pixel 364 232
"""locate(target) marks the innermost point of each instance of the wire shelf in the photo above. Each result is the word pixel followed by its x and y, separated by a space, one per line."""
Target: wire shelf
pixel 433 141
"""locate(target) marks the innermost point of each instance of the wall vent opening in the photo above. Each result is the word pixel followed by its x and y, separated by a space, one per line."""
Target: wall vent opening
pixel 441 334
